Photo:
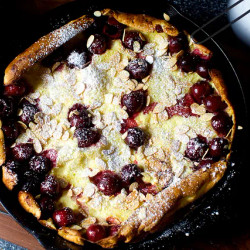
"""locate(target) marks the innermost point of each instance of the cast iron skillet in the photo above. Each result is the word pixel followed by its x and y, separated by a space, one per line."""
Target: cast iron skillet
pixel 199 216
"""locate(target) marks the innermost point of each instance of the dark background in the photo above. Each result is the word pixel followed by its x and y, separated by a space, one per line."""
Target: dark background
pixel 19 23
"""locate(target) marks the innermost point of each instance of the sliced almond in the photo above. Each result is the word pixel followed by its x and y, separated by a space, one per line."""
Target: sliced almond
pixel 149 59
pixel 80 87
pixel 90 40
pixel 23 125
pixel 159 108
pixel 133 186
pixel 19 112
pixel 166 17
pixel 139 86
pixel 136 46
pixel 124 135
pixel 97 13
pixel 148 100
pixel 124 75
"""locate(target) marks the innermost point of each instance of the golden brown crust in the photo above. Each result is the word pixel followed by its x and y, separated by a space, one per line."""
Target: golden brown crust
pixel 43 47
pixel 29 204
pixel 2 146
pixel 141 22
pixel 9 178
pixel 71 235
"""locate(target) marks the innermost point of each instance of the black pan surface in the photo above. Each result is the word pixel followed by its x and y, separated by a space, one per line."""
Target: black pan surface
pixel 216 206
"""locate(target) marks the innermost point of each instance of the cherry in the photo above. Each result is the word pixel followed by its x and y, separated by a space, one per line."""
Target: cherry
pixel 202 69
pixel 64 217
pixel 78 59
pixel 221 123
pixel 130 37
pixel 186 63
pixel 158 28
pixel 130 172
pixel 187 100
pixel 200 90
pixel 196 148
pixel 14 90
pixel 6 107
pixel 108 182
pixel 206 163
pixel 113 28
pixel 180 110
pixel 96 232
pixel 218 147
pixel 39 164
pixel 86 137
pixel 51 154
pixel 214 103
pixel 47 206
pixel 138 68
pixel 78 116
pixel 22 151
pixel 135 138
pixel 10 130
pixel 177 43
pixel 113 230
pixel 135 101
pixel 147 188
pixel 99 45
pixel 50 186
pixel 28 112
pixel 31 182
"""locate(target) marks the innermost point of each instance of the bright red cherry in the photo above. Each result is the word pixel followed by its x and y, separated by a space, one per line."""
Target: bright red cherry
pixel 96 232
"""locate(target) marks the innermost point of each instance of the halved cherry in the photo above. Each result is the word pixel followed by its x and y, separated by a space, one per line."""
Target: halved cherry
pixel 213 103
pixel 131 37
pixel 86 137
pixel 200 90
pixel 135 138
pixel 14 89
pixel 218 147
pixel 130 172
pixel 196 148
pixel 99 44
pixel 23 151
pixel 28 111
pixel 222 123
pixel 138 68
pixel 64 217
pixel 177 43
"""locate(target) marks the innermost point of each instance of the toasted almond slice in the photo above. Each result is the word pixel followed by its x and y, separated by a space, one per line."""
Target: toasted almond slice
pixel 159 108
pixel 97 13
pixel 139 86
pixel 171 62
pixel 88 221
pixel 124 75
pixel 37 146
pixel 28 202
pixel 23 125
pixel 9 178
pixel 148 100
pixel 150 59
pixel 90 40
pixel 142 37
pixel 124 135
pixel 166 17
pixel 48 223
pixel 144 80
pixel 136 46
pixel 19 112
pixel 133 186
pixel 71 235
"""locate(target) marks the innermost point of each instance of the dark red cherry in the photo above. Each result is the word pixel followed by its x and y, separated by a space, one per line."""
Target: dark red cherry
pixel 86 137
pixel 158 28
pixel 130 172
pixel 6 107
pixel 51 154
pixel 202 69
pixel 99 45
pixel 113 230
pixel 132 36
pixel 200 90
pixel 186 63
pixel 47 206
pixel 218 147
pixel 222 123
pixel 213 103
pixel 14 89
pixel 113 28
pixel 10 131
pixel 108 182
pixel 64 217
pixel 28 112
pixel 135 138
pixel 96 232
pixel 78 116
pixel 135 101
pixel 138 68
pixel 206 163
pixel 187 100
pixel 39 164
pixel 147 188
pixel 50 186
pixel 22 151
pixel 31 182
pixel 196 148
pixel 177 43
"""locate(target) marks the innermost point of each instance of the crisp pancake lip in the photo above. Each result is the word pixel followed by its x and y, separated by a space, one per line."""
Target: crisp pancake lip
pixel 157 212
